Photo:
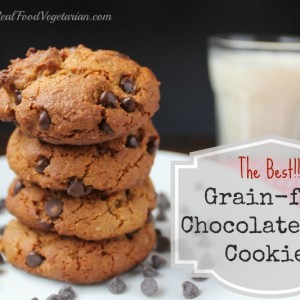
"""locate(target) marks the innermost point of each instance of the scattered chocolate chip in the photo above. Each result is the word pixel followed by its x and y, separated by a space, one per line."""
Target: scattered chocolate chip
pixel 108 99
pixel 130 235
pixel 34 259
pixel 53 297
pixel 67 293
pixel 1 259
pixel 54 207
pixel 163 201
pixel 128 104
pixel 152 145
pixel 2 204
pixel 18 186
pixel 148 270
pixel 161 216
pixel 127 84
pixel 44 120
pixel 35 298
pixel 104 126
pixel 76 188
pixel 132 142
pixel 163 244
pixel 149 287
pixel 41 165
pixel 158 261
pixel 116 285
pixel 190 290
pixel 199 278
pixel 18 97
pixel 149 217
pixel 158 232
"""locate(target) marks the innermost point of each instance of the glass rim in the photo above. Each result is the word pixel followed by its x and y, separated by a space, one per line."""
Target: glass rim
pixel 255 42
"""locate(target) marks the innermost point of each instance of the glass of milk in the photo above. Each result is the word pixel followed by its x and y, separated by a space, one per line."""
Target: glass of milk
pixel 256 84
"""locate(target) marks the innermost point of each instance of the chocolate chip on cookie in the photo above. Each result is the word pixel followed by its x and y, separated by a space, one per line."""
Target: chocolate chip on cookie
pixel 44 120
pixel 105 127
pixel 34 259
pixel 127 84
pixel 18 186
pixel 128 104
pixel 108 99
pixel 132 142
pixel 76 188
pixel 41 165
pixel 18 97
pixel 54 207
pixel 152 145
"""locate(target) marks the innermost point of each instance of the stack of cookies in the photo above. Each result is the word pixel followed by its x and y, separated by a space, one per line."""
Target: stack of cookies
pixel 82 151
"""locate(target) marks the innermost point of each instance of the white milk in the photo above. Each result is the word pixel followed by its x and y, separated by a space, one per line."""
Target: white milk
pixel 257 93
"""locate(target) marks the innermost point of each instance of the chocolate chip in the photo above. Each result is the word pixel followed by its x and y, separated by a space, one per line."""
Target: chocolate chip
pixel 199 278
pixel 2 204
pixel 152 145
pixel 161 216
pixel 41 165
pixel 128 104
pixel 190 290
pixel 148 270
pixel 158 232
pixel 163 244
pixel 116 285
pixel 132 142
pixel 131 234
pixel 18 186
pixel 127 84
pixel 108 99
pixel 18 97
pixel 149 217
pixel 67 293
pixel 158 261
pixel 44 120
pixel 35 298
pixel 162 201
pixel 149 287
pixel 104 126
pixel 34 259
pixel 76 188
pixel 53 297
pixel 1 259
pixel 54 207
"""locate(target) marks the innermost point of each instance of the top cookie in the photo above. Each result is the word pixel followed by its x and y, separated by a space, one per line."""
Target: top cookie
pixel 77 96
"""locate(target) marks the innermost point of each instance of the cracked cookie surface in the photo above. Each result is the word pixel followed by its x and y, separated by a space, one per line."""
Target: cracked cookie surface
pixel 77 96
pixel 71 259
pixel 110 166
pixel 94 217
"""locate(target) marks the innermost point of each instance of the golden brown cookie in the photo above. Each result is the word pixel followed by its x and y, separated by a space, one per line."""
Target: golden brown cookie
pixel 94 217
pixel 111 166
pixel 77 96
pixel 71 259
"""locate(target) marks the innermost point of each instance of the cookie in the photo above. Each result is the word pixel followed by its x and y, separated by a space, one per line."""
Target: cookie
pixel 77 96
pixel 71 259
pixel 93 217
pixel 110 166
